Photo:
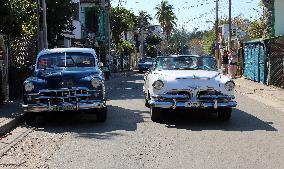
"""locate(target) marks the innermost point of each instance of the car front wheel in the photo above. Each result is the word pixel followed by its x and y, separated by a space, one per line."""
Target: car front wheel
pixel 155 114
pixel 102 114
pixel 224 114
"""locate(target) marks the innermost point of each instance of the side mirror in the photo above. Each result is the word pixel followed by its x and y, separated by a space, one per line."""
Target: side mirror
pixel 32 67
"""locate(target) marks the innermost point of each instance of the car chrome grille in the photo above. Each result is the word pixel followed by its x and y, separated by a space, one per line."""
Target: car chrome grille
pixel 62 95
pixel 180 93
pixel 209 95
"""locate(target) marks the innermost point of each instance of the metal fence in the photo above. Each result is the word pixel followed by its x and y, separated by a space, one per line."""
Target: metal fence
pixel 22 52
pixel 276 62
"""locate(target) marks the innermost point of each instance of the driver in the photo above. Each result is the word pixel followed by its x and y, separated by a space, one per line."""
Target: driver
pixel 168 64
pixel 199 62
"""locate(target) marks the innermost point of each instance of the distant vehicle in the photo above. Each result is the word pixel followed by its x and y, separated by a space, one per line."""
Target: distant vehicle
pixel 188 82
pixel 145 64
pixel 65 79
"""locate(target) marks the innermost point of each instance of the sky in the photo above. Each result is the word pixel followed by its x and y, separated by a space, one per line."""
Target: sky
pixel 196 13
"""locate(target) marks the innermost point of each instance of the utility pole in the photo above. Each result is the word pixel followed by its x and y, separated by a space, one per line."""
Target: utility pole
pixel 142 41
pixel 230 24
pixel 217 35
pixel 45 43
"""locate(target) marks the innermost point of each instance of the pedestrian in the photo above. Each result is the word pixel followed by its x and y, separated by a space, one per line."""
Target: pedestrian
pixel 233 61
pixel 225 62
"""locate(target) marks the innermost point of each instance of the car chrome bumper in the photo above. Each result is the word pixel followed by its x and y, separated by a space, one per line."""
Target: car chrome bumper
pixel 49 108
pixel 203 105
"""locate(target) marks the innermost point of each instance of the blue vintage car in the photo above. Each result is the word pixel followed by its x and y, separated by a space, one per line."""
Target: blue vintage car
pixel 145 64
pixel 65 79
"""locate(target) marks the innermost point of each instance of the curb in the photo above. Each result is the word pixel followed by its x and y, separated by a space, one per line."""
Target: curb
pixel 10 123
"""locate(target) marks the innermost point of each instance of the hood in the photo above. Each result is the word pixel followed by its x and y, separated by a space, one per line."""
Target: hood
pixel 195 80
pixel 188 74
pixel 60 73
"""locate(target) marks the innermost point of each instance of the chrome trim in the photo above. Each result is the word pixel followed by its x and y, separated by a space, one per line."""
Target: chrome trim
pixel 92 104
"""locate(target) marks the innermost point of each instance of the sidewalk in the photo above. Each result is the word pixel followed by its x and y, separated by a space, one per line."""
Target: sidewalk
pixel 245 86
pixel 10 116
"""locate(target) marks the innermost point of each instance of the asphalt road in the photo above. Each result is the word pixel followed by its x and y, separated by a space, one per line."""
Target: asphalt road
pixel 129 139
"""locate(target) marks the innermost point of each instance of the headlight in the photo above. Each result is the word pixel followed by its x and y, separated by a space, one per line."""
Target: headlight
pixel 158 84
pixel 29 87
pixel 96 83
pixel 230 86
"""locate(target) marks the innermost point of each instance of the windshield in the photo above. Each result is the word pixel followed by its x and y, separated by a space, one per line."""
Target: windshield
pixel 186 63
pixel 69 59
pixel 146 60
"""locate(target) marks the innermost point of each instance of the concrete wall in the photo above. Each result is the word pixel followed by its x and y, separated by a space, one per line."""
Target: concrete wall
pixel 279 19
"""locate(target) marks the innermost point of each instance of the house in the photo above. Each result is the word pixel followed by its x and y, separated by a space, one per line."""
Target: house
pixel 277 15
pixel 155 30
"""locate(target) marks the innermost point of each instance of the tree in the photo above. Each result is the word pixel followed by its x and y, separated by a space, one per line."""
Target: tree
pixel 178 41
pixel 18 17
pixel 209 42
pixel 26 14
pixel 59 19
pixel 125 47
pixel 153 40
pixel 256 29
pixel 121 20
pixel 166 17
pixel 143 19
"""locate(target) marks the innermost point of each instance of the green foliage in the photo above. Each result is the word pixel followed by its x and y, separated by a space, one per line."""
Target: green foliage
pixel 125 47
pixel 25 12
pixel 154 40
pixel 18 17
pixel 178 41
pixel 256 29
pixel 166 17
pixel 151 50
pixel 121 20
pixel 209 42
pixel 59 19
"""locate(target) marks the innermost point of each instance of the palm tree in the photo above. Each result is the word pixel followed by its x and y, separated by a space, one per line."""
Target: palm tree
pixel 166 17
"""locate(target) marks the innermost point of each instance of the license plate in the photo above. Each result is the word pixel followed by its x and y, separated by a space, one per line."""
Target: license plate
pixel 192 104
pixel 63 108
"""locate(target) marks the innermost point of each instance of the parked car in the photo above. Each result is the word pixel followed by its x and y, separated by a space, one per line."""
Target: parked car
pixel 188 82
pixel 65 79
pixel 145 64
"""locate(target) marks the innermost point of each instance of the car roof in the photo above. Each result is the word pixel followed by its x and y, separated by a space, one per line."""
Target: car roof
pixel 62 50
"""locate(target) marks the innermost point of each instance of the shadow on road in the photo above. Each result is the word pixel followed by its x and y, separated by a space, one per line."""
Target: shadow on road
pixel 126 88
pixel 85 125
pixel 240 121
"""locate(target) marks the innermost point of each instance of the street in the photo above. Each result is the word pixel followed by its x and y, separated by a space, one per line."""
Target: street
pixel 253 138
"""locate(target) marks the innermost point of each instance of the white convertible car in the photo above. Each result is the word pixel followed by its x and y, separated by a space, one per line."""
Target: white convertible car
pixel 188 82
